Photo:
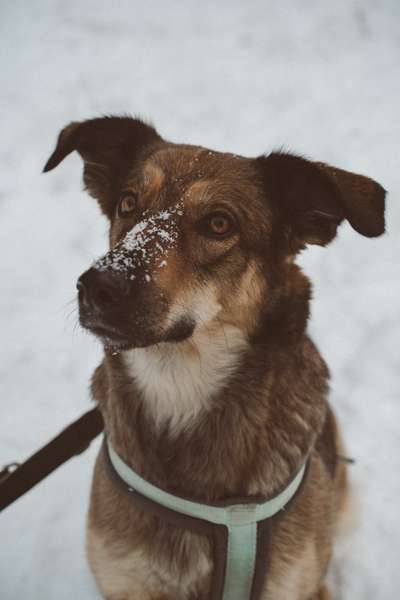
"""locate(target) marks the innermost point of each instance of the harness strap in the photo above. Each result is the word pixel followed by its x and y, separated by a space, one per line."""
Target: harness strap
pixel 233 514
pixel 239 519
pixel 73 440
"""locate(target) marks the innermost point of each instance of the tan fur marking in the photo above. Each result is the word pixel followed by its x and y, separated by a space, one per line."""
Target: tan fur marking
pixel 131 575
pixel 198 191
pixel 153 178
pixel 297 580
pixel 243 307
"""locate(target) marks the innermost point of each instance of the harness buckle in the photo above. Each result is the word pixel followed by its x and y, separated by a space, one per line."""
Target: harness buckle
pixel 7 470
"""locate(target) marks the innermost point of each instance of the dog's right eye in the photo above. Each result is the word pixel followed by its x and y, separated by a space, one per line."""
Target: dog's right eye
pixel 127 204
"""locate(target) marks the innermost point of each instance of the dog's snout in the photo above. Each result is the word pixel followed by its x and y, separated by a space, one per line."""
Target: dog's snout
pixel 100 290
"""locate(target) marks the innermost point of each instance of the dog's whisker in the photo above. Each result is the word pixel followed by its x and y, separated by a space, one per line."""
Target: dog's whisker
pixel 67 305
pixel 72 313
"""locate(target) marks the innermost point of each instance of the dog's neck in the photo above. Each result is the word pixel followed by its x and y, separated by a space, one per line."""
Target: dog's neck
pixel 180 380
pixel 217 417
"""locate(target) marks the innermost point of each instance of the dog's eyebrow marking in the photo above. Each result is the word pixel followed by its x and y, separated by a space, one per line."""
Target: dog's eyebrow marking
pixel 153 176
pixel 146 245
pixel 198 191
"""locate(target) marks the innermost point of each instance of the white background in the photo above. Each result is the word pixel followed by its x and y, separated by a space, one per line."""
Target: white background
pixel 320 78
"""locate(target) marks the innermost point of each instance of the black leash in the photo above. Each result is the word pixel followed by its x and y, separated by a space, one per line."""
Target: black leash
pixel 16 480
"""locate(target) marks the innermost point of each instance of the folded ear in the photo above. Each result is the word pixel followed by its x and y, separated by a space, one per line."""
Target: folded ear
pixel 311 199
pixel 362 198
pixel 109 146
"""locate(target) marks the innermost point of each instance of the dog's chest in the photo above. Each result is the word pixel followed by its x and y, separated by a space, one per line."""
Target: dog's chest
pixel 179 381
pixel 135 574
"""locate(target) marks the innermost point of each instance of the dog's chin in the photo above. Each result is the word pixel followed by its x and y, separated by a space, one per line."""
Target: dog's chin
pixel 111 338
pixel 116 340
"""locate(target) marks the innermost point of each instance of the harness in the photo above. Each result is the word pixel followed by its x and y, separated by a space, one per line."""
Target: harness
pixel 239 529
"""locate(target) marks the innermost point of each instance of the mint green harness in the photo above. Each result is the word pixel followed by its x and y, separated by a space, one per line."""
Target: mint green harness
pixel 239 519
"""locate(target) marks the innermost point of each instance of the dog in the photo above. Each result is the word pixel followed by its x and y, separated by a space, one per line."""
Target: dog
pixel 210 387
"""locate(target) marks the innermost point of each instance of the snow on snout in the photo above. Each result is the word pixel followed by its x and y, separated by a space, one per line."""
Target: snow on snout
pixel 145 246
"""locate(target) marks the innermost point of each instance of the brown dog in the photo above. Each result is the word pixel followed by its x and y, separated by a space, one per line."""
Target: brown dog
pixel 210 387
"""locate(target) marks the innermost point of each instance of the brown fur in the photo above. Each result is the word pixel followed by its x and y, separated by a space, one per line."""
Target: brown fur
pixel 257 428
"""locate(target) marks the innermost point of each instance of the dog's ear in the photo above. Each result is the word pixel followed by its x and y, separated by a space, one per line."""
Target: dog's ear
pixel 109 146
pixel 311 199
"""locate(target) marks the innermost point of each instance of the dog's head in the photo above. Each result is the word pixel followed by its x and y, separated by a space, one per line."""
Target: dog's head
pixel 197 237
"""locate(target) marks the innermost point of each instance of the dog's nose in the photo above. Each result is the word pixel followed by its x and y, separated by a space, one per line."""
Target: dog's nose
pixel 100 290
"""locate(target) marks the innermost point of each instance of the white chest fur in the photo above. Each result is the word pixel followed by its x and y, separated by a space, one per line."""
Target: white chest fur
pixel 180 380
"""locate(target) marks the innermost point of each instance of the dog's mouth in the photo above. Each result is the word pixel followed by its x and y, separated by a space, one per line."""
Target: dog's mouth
pixel 111 336
pixel 115 339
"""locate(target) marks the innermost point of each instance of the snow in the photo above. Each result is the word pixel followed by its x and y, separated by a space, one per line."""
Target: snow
pixel 320 78
pixel 144 245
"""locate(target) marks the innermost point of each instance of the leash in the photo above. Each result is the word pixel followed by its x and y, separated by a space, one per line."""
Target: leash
pixel 17 479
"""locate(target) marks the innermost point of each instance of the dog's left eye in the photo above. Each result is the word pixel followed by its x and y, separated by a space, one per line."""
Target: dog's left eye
pixel 218 225
pixel 127 204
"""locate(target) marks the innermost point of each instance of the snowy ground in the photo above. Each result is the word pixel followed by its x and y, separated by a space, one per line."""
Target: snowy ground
pixel 318 77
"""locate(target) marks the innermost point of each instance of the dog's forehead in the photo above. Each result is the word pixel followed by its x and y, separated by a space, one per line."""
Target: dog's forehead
pixel 185 167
